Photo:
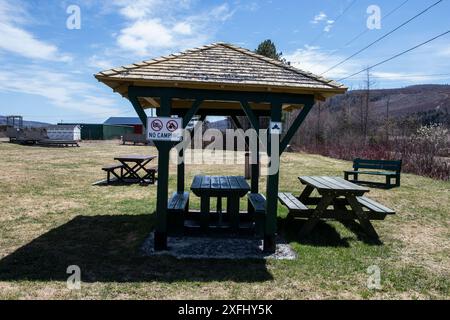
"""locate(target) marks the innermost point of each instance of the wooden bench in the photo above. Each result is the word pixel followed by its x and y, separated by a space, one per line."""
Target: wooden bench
pixel 257 207
pixel 391 170
pixel 111 169
pixel 292 203
pixel 376 210
pixel 177 208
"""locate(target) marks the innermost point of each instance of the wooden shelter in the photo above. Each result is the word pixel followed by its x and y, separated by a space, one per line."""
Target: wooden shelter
pixel 222 80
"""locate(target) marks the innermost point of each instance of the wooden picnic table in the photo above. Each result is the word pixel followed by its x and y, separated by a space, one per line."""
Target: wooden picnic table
pixel 229 187
pixel 347 199
pixel 133 165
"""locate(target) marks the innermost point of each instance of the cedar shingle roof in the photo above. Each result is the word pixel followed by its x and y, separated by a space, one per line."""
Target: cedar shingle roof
pixel 218 66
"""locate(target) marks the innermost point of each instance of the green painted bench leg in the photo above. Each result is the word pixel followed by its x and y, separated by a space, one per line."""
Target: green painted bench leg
pixel 233 211
pixel 388 182
pixel 397 181
pixel 204 214
pixel 260 219
pixel 315 218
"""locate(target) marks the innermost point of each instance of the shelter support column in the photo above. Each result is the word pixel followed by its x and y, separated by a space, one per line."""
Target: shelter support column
pixel 272 182
pixel 255 167
pixel 181 164
pixel 164 148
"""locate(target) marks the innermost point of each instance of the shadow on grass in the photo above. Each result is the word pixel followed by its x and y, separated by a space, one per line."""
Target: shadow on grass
pixel 323 234
pixel 107 249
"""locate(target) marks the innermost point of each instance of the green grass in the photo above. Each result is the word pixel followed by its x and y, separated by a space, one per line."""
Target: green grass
pixel 52 217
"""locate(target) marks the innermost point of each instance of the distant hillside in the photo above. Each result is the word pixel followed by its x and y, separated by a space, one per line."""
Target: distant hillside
pixel 423 99
pixel 26 123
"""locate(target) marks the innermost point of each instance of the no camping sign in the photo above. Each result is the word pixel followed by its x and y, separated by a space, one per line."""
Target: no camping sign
pixel 164 129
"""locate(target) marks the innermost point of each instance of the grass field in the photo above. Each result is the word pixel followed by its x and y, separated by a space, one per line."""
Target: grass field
pixel 52 217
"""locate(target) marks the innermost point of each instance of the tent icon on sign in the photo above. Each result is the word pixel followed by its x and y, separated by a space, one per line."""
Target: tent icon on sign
pixel 276 127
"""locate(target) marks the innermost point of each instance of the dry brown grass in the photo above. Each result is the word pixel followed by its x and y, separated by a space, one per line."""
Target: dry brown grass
pixel 51 216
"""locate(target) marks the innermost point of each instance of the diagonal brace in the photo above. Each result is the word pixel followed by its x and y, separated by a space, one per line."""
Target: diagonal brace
pixel 295 126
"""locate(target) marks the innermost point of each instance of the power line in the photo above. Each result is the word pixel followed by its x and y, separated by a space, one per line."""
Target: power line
pixel 383 37
pixel 397 55
pixel 335 21
pixel 366 30
pixel 384 18
pixel 408 76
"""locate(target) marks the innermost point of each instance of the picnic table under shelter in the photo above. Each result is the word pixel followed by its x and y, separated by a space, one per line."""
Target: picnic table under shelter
pixel 220 80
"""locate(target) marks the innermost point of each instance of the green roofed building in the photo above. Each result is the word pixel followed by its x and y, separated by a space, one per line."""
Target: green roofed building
pixel 103 131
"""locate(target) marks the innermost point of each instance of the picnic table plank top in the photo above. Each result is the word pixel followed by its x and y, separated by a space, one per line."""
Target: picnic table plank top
pixel 332 184
pixel 134 158
pixel 204 185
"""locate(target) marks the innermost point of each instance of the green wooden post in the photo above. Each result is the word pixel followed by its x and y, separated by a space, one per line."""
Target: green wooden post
pixel 272 187
pixel 164 148
pixel 255 171
pixel 181 167
pixel 254 120
pixel 180 173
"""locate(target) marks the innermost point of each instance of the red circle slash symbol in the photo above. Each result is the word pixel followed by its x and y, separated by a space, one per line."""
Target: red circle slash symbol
pixel 157 125
pixel 172 125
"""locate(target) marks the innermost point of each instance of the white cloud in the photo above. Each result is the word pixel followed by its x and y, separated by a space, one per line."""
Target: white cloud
pixel 21 42
pixel 15 39
pixel 143 35
pixel 328 26
pixel 319 17
pixel 100 63
pixel 156 26
pixel 183 28
pixel 322 19
pixel 444 52
pixel 317 61
pixel 58 88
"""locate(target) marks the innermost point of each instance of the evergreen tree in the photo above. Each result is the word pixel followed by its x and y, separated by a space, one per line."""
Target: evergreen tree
pixel 268 49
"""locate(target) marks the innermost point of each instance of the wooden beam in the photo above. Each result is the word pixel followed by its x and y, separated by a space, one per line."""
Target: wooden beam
pixel 250 115
pixel 153 102
pixel 192 112
pixel 132 96
pixel 295 126
pixel 218 95
pixel 327 92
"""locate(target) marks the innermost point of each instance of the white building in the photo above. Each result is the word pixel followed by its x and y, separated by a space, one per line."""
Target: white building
pixel 64 132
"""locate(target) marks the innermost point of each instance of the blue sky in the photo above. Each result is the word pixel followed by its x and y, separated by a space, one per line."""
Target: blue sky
pixel 47 69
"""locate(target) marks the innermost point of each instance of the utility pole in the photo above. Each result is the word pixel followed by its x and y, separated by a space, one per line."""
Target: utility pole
pixel 369 85
pixel 388 102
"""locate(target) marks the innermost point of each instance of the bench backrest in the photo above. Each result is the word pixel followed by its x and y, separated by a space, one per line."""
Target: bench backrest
pixel 389 165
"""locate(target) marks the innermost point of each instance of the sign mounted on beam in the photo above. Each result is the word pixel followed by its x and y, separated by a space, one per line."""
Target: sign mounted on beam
pixel 275 127
pixel 165 129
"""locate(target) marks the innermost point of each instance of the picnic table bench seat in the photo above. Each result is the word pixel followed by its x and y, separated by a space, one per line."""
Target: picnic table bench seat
pixel 257 207
pixel 292 203
pixel 151 174
pixel 374 206
pixel 112 167
pixel 388 168
pixel 111 170
pixel 177 207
